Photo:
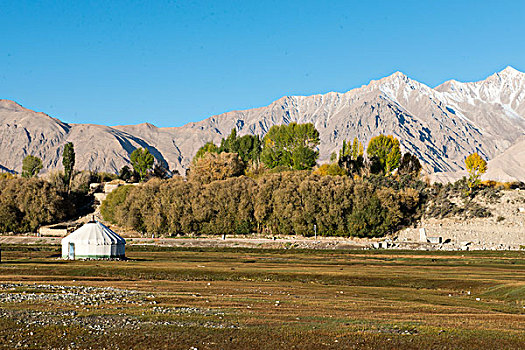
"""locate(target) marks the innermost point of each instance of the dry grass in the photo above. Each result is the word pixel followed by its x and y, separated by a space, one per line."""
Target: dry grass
pixel 326 299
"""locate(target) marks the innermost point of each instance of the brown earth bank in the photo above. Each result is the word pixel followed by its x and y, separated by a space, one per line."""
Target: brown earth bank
pixel 504 229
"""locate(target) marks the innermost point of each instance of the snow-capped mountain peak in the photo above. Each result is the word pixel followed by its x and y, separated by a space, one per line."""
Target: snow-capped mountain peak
pixel 511 71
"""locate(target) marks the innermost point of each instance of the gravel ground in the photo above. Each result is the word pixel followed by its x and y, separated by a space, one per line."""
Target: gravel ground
pixel 98 310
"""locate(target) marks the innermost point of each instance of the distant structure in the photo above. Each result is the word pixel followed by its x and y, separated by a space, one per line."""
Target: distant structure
pixel 93 241
pixel 426 239
pixel 422 235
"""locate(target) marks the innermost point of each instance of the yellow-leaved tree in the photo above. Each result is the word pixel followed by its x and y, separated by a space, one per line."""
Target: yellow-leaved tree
pixel 476 166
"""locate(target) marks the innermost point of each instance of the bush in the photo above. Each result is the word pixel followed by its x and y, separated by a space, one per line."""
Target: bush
pixel 439 204
pixel 103 177
pixel 226 207
pixel 212 167
pixel 113 203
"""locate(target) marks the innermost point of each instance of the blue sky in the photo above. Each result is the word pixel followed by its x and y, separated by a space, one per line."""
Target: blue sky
pixel 169 63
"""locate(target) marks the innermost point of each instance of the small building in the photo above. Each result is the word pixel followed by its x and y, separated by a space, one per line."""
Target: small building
pixel 93 241
pixel 113 185
pixel 435 240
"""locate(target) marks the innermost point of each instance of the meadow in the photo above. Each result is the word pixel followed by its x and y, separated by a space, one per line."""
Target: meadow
pixel 229 298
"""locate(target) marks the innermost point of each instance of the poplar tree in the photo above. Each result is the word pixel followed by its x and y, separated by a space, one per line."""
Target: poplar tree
pixel 291 146
pixel 68 161
pixel 476 166
pixel 142 162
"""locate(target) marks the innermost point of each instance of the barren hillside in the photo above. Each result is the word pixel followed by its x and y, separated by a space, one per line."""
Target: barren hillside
pixel 441 126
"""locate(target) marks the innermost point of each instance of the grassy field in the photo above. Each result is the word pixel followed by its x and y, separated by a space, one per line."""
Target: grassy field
pixel 182 298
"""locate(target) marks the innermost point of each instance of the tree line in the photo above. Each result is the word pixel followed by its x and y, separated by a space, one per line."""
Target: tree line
pixel 242 185
pixel 280 203
pixel 247 185
pixel 26 204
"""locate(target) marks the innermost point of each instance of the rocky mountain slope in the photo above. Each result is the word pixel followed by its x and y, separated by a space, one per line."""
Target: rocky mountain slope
pixel 440 125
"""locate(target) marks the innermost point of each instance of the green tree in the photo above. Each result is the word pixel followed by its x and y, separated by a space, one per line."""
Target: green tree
pixel 476 166
pixel 142 162
pixel 112 202
pixel 353 150
pixel 229 144
pixel 26 204
pixel 304 158
pixel 31 166
pixel 209 147
pixel 291 146
pixel 345 150
pixel 68 161
pixel 248 147
pixel 357 149
pixel 226 207
pixel 384 151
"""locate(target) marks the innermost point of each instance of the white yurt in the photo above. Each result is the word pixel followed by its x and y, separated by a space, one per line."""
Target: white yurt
pixel 93 241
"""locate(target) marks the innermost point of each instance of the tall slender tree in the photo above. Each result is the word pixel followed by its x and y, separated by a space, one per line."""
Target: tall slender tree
pixel 476 166
pixel 68 161
pixel 351 156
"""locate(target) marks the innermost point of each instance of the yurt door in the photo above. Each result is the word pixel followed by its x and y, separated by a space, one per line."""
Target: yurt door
pixel 71 254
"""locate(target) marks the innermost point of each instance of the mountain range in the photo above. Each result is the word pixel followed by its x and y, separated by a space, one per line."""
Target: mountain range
pixel 440 125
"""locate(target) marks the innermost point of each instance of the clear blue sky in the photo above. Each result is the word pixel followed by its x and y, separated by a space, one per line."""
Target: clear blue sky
pixel 168 63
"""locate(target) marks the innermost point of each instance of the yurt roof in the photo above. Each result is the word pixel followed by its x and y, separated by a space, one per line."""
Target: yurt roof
pixel 94 233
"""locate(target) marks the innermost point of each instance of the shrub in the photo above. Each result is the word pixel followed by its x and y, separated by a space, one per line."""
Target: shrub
pixel 112 204
pixel 330 169
pixel 212 167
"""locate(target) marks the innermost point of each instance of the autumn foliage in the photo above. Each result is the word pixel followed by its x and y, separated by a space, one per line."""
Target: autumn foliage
pixel 476 166
pixel 25 204
pixel 282 203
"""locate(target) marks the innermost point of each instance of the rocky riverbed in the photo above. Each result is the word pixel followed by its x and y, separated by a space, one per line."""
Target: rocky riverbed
pixel 98 310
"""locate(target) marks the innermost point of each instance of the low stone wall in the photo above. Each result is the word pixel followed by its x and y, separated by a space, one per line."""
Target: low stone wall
pixel 52 232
